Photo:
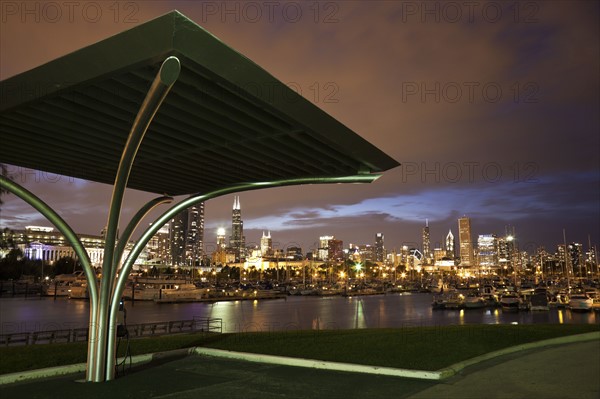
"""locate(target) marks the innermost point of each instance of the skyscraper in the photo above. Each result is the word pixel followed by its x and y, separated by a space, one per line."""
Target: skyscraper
pixel 237 241
pixel 487 247
pixel 194 237
pixel 266 245
pixel 323 253
pixel 159 246
pixel 379 248
pixel 426 241
pixel 450 246
pixel 575 255
pixel 221 239
pixel 186 235
pixel 335 250
pixel 177 235
pixel 466 245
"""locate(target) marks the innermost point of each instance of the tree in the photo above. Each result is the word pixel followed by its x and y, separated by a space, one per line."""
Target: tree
pixel 66 265
pixel 7 241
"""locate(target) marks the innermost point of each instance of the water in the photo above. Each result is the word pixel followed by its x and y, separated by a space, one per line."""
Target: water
pixel 293 313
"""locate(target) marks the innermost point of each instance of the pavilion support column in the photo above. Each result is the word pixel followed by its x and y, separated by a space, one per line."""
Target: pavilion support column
pixel 166 77
pixel 69 234
pixel 111 349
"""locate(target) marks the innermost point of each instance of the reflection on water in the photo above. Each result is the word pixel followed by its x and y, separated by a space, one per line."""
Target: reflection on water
pixel 293 313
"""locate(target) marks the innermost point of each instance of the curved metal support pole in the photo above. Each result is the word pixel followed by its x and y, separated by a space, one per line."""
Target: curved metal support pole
pixel 115 301
pixel 67 231
pixel 166 77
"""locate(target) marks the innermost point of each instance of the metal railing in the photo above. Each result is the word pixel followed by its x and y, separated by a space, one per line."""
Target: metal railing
pixel 197 324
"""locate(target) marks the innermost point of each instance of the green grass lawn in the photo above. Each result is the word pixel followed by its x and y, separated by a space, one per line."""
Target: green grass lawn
pixel 423 348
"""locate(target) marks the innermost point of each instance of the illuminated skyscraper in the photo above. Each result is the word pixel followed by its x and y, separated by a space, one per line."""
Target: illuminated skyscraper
pixel 177 236
pixel 221 239
pixel 186 235
pixel 379 248
pixel 335 250
pixel 323 253
pixel 266 245
pixel 466 245
pixel 426 241
pixel 450 246
pixel 159 246
pixel 194 240
pixel 575 258
pixel 237 241
pixel 487 252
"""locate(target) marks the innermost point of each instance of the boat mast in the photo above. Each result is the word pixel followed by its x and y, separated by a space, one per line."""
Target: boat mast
pixel 566 260
pixel 595 263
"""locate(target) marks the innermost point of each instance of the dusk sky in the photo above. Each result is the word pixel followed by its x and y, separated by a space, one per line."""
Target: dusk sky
pixel 492 109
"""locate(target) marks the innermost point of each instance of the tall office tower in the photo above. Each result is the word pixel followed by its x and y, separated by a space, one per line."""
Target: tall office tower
pixel 464 239
pixel 159 247
pixel 221 239
pixel 237 241
pixel 186 235
pixel 426 241
pixel 487 252
pixel 177 235
pixel 335 250
pixel 219 256
pixel 575 255
pixel 379 248
pixel 323 253
pixel 194 237
pixel 450 246
pixel 266 245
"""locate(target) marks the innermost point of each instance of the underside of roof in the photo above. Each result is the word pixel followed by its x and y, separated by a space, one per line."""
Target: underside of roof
pixel 225 121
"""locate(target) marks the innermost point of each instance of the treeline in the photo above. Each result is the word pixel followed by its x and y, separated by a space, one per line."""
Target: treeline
pixel 15 266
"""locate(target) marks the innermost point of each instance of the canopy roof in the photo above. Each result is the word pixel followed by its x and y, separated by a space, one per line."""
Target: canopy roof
pixel 225 121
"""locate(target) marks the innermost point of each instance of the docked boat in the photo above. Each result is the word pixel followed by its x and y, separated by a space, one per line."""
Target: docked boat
pixel 489 295
pixel 559 299
pixel 63 283
pixel 474 300
pixel 449 300
pixel 78 290
pixel 59 289
pixel 511 302
pixel 580 302
pixel 181 293
pixel 539 299
pixel 150 289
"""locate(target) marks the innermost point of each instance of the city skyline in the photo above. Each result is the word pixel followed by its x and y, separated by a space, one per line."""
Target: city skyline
pixel 422 87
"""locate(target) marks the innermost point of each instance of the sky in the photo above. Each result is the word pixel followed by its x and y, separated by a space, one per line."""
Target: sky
pixel 492 108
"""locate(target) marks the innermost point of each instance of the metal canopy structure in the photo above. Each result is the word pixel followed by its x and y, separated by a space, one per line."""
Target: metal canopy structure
pixel 223 114
pixel 167 108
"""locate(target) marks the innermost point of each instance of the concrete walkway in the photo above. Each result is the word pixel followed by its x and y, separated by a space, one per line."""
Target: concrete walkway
pixel 563 372
pixel 566 371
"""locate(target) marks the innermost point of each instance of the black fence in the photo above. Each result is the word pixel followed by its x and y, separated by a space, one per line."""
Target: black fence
pixel 197 324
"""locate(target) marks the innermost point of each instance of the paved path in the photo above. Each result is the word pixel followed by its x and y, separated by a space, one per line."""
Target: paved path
pixel 561 372
pixel 566 371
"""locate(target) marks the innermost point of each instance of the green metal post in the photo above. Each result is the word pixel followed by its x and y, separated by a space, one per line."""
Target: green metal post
pixel 133 223
pixel 166 77
pixel 65 229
